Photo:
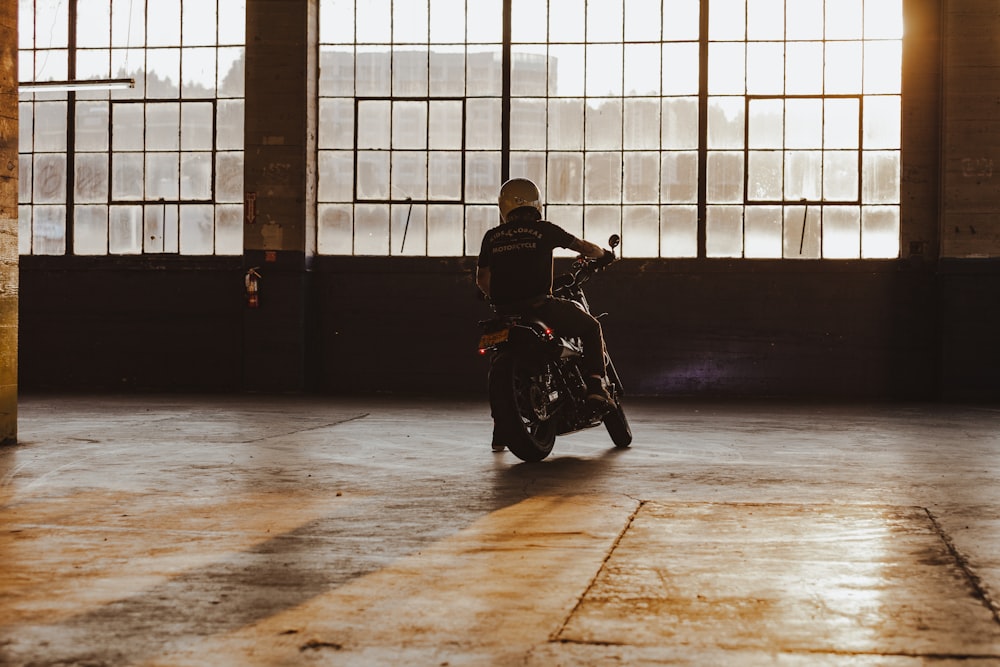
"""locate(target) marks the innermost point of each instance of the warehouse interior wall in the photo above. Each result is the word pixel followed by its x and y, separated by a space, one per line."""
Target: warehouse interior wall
pixel 921 327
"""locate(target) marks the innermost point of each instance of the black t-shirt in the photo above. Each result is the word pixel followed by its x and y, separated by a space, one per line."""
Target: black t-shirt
pixel 518 254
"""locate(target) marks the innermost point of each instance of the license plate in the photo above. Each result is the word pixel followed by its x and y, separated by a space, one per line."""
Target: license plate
pixel 494 338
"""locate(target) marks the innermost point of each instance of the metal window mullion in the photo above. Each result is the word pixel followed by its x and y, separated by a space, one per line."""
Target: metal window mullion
pixel 703 129
pixel 69 233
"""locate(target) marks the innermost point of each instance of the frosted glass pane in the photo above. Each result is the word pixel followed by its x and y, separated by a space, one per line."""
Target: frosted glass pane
pixel 642 69
pixel 91 178
pixel 447 72
pixel 409 72
pixel 727 20
pixel 766 125
pixel 765 179
pixel 802 242
pixel 880 232
pixel 162 176
pixel 642 178
pixel 163 125
pixel 372 22
pixel 529 21
pixel 804 123
pixel 371 229
pixel 880 177
pixel 445 175
pixel 129 127
pixel 678 231
pixel 125 230
pixel 680 69
pixel 91 126
pixel 603 127
pixel 882 122
pixel 50 126
pixel 640 232
pixel 603 178
pixel 529 165
pixel 763 232
pixel 126 176
pixel 724 231
pixel 642 20
pixel 844 19
pixel 229 177
pixel 196 175
pixel 725 177
pixel 485 22
pixel 90 230
pixel 49 179
pixel 604 69
pixel 485 68
pixel 529 76
pixel 372 71
pixel 336 71
pixel 24 178
pixel 726 68
pixel 765 68
pixel 680 123
pixel 843 68
pixel 840 176
pixel 482 177
pixel 884 19
pixel 566 73
pixel 163 23
pixel 26 114
pixel 565 178
pixel 483 124
pixel 160 228
pixel 409 125
pixel 54 16
pixel 766 19
pixel 444 231
pixel 841 232
pixel 679 177
pixel 447 21
pixel 49 230
pixel 197 233
pixel 24 229
pixel 409 175
pixel 803 175
pixel 373 175
pixel 409 229
pixel 569 218
pixel 336 123
pixel 600 222
pixel 726 122
pixel 642 124
pixel 527 123
pixel 374 124
pixel 229 132
pixel 565 126
pixel 336 176
pixel 841 123
pixel 231 81
pixel 229 229
pixel 883 67
pixel 804 19
pixel 335 230
pixel 196 127
pixel 681 20
pixel 804 68
pixel 478 219
pixel 128 22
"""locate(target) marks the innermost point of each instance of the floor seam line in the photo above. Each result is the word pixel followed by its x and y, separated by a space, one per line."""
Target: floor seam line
pixel 979 589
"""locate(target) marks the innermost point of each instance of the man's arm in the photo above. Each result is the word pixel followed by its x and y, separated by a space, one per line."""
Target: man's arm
pixel 483 279
pixel 587 249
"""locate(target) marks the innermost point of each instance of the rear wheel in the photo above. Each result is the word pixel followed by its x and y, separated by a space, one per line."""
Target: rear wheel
pixel 521 409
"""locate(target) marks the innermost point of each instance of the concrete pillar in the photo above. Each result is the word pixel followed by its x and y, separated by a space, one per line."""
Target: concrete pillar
pixel 279 225
pixel 8 221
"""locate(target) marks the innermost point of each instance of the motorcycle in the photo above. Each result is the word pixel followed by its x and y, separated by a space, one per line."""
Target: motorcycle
pixel 537 390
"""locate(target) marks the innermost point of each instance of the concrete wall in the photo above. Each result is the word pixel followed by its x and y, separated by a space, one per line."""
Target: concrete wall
pixel 9 277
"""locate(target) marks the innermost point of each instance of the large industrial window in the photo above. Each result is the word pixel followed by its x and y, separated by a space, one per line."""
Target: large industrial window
pixel 730 128
pixel 157 168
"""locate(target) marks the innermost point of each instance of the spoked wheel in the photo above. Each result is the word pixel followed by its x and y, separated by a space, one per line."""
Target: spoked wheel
pixel 520 408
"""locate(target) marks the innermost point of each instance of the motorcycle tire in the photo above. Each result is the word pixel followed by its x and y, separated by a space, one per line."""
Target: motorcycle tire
pixel 618 428
pixel 527 434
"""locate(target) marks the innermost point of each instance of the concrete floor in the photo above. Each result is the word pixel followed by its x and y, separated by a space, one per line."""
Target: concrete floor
pixel 191 530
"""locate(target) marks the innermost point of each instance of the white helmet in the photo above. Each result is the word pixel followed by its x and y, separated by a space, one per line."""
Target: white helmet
pixel 518 192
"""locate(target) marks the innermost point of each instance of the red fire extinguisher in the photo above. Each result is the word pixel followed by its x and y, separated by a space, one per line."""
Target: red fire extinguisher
pixel 251 280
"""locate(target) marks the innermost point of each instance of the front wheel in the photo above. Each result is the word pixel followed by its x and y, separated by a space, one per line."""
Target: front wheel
pixel 520 408
pixel 617 424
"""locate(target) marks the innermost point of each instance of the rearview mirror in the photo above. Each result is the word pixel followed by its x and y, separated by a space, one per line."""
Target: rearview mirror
pixel 614 240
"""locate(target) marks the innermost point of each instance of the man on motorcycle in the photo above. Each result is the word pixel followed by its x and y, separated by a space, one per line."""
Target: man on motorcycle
pixel 515 273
